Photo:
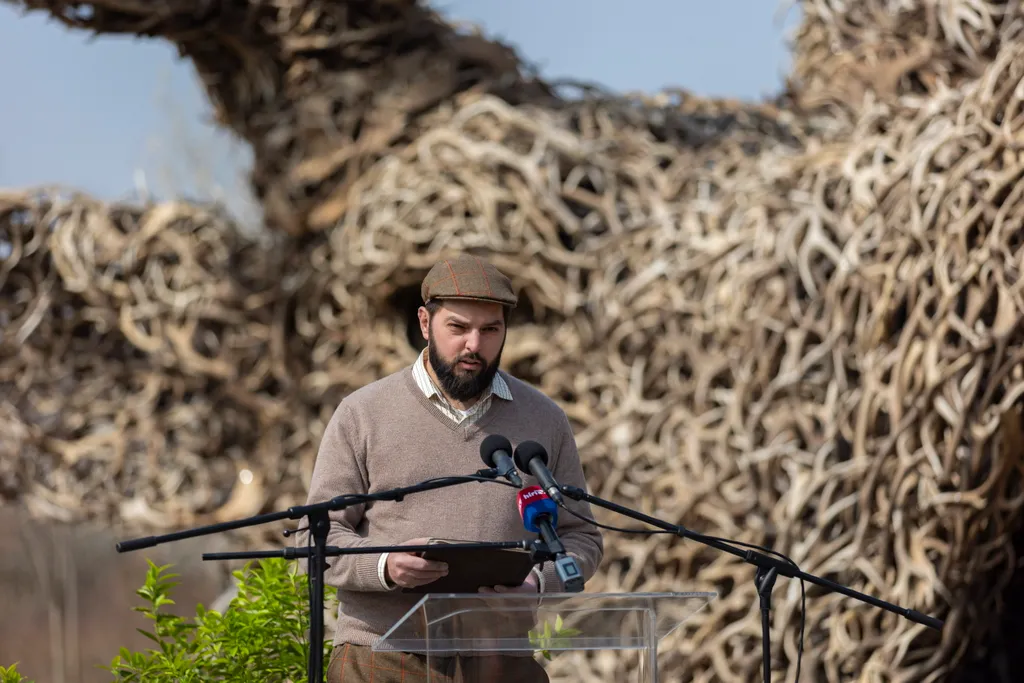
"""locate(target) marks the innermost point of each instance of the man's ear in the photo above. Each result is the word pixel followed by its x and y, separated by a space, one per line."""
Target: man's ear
pixel 424 318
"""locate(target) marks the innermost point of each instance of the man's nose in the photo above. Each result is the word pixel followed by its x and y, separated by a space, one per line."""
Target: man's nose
pixel 473 341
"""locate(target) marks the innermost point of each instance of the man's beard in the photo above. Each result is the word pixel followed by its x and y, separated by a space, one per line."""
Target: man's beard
pixel 463 385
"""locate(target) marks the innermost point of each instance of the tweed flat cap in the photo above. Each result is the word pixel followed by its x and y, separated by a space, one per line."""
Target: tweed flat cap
pixel 468 277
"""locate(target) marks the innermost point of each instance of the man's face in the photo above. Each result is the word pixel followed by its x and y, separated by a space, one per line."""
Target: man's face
pixel 464 344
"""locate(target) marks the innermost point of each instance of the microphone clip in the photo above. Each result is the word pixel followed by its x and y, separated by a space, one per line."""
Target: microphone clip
pixel 539 552
pixel 511 474
pixel 566 566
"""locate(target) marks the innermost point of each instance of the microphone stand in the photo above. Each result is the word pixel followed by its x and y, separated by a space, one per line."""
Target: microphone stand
pixel 319 525
pixel 768 569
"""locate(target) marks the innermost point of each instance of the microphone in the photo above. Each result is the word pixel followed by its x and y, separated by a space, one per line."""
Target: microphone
pixel 495 451
pixel 530 456
pixel 540 515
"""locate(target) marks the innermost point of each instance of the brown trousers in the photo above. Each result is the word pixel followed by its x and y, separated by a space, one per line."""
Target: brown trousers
pixel 360 664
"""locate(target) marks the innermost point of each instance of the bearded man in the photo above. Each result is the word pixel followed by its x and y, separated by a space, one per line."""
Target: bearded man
pixel 424 421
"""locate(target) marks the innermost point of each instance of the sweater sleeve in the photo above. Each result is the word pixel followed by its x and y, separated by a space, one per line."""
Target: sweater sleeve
pixel 581 539
pixel 341 469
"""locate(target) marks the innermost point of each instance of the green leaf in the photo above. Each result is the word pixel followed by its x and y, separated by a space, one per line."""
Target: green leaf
pixel 149 635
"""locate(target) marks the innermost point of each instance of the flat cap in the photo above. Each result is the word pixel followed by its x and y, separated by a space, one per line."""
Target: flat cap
pixel 468 277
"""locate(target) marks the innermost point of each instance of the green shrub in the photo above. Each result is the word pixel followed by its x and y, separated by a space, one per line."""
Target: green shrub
pixel 261 637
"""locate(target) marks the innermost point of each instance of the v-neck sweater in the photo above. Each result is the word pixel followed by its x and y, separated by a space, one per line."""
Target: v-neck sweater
pixel 388 434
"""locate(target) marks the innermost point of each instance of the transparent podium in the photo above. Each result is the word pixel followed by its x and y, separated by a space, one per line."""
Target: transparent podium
pixel 442 625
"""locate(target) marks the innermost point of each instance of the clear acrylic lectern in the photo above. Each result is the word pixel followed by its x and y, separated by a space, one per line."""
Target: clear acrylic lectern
pixel 441 625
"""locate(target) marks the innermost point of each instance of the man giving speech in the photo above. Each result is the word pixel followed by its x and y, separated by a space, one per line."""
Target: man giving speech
pixel 424 421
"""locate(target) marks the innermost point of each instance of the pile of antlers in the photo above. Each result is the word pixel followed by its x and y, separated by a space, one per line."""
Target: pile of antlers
pixel 795 324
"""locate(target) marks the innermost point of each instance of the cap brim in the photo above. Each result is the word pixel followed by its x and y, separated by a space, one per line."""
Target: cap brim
pixel 510 304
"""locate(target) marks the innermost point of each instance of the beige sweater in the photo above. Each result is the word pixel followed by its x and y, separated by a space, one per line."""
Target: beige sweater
pixel 387 435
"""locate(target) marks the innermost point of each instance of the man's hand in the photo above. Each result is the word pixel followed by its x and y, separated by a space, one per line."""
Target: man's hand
pixel 527 586
pixel 409 570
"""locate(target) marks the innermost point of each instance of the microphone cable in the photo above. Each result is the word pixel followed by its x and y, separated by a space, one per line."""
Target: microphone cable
pixel 472 477
pixel 726 541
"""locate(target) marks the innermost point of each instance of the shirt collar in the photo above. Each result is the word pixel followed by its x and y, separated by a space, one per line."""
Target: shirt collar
pixel 499 387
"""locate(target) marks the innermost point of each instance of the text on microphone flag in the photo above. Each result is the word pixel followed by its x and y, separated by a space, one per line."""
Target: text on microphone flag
pixel 534 502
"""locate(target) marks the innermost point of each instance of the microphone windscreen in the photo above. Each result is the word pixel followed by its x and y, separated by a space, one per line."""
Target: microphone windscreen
pixel 533 502
pixel 491 444
pixel 527 451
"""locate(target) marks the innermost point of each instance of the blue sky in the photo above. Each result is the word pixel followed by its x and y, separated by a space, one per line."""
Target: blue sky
pixel 100 114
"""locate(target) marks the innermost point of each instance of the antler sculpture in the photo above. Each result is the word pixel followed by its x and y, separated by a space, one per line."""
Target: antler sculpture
pixel 794 323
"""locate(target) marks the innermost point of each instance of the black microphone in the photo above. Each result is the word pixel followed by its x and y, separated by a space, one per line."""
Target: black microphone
pixel 530 456
pixel 495 453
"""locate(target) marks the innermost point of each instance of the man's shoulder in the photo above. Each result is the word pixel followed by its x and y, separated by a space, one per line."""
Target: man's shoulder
pixel 385 390
pixel 530 397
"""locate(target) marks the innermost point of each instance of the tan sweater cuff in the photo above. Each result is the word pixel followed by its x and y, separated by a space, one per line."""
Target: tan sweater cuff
pixel 552 584
pixel 365 570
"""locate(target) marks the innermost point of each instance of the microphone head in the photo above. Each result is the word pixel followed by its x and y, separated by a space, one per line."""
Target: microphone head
pixel 532 503
pixel 527 451
pixel 493 443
